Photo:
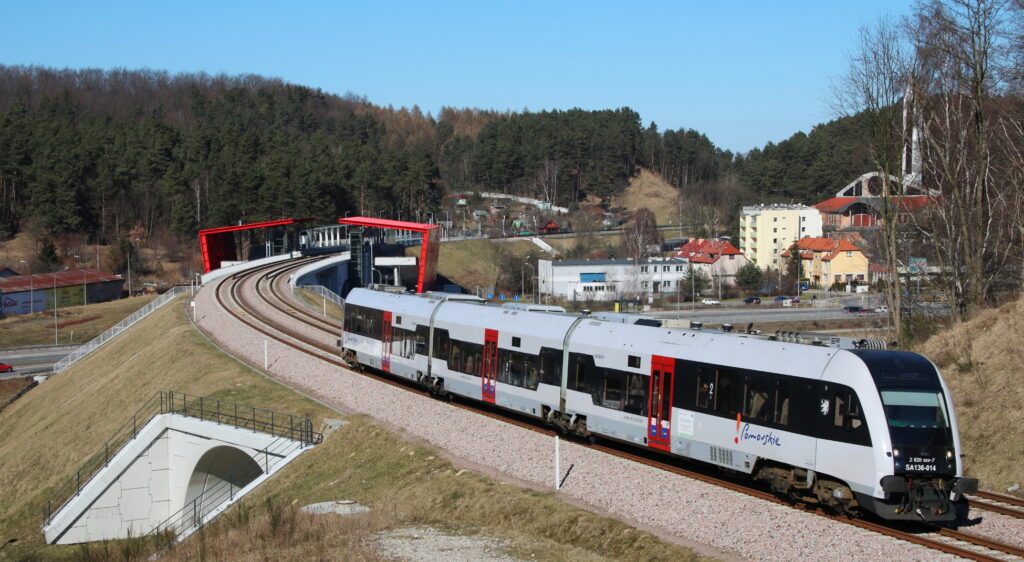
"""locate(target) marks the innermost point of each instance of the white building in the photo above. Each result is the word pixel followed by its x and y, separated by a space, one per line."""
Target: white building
pixel 766 231
pixel 603 280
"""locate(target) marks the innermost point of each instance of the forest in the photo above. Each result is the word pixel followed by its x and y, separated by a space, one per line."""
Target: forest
pixel 100 152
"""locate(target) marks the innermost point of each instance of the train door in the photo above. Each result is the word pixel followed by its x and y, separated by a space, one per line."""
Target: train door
pixel 659 403
pixel 489 366
pixel 385 340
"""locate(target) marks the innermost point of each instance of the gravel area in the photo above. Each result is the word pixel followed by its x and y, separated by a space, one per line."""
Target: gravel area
pixel 428 544
pixel 673 506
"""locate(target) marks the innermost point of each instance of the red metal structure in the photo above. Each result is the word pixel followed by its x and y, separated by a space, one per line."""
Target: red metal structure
pixel 218 244
pixel 428 248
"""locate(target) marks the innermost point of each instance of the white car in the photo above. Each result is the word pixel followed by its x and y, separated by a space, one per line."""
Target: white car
pixel 883 309
pixel 711 302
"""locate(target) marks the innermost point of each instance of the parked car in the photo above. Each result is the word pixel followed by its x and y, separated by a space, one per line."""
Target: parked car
pixel 781 298
pixel 711 302
pixel 752 300
pixel 852 309
pixel 883 309
pixel 5 368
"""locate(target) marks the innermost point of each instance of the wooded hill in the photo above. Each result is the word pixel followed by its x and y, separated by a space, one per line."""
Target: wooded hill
pixel 99 152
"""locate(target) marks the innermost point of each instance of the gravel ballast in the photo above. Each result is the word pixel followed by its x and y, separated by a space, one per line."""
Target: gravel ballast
pixel 674 506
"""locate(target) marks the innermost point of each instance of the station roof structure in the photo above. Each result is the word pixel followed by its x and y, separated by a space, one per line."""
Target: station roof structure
pixel 218 244
pixel 428 248
pixel 66 278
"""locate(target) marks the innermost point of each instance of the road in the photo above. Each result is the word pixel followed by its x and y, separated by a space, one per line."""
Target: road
pixel 33 359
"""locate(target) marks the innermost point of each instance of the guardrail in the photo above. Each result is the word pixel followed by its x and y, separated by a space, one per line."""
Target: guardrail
pixel 115 330
pixel 321 291
pixel 170 402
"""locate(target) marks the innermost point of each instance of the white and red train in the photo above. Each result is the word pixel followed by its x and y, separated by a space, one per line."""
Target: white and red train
pixel 854 429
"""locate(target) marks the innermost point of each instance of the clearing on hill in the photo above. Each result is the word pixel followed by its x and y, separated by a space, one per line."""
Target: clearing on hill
pixel 649 190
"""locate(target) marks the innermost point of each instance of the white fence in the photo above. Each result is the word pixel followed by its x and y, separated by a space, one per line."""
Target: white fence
pixel 116 329
pixel 323 292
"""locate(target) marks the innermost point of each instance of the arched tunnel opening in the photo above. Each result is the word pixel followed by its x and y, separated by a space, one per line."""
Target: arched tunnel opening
pixel 219 474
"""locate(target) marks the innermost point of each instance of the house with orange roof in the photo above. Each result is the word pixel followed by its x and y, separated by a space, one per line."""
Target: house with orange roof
pixel 826 261
pixel 717 258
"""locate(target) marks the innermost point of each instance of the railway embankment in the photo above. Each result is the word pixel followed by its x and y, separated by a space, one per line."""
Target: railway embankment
pixel 981 361
pixel 406 483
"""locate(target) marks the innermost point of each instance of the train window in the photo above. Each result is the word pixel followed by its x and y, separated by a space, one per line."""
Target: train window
pixel 422 335
pixel 442 345
pixel 516 342
pixel 729 398
pixel 755 402
pixel 636 394
pixel 705 387
pixel 455 357
pixel 839 402
pixel 856 418
pixel 532 375
pixel 634 361
pixel 551 366
pixel 398 320
pixel 612 395
pixel 781 412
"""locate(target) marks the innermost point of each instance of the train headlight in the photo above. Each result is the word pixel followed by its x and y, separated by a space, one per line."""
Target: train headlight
pixel 949 454
pixel 895 452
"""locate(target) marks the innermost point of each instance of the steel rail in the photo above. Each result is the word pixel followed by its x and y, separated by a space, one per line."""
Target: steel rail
pixel 918 539
pixel 1014 506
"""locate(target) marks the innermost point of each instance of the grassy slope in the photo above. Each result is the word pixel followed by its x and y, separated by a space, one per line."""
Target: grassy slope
pixel 37 329
pixel 470 263
pixel 649 190
pixel 980 361
pixel 55 426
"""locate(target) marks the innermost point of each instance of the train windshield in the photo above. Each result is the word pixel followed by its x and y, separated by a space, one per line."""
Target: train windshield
pixel 922 409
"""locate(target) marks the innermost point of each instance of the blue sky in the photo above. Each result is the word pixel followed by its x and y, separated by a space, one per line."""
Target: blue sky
pixel 743 73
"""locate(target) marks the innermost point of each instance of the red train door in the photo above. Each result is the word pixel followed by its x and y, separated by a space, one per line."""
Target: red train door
pixel 659 403
pixel 385 339
pixel 489 366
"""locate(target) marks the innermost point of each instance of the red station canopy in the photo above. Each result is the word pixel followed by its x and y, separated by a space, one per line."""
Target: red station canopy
pixel 218 243
pixel 428 251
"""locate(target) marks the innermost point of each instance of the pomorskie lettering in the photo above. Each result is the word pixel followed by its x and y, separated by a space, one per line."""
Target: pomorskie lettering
pixel 763 438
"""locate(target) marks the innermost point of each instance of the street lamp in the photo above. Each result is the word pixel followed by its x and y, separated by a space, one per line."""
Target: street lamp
pixel 56 303
pixel 31 288
pixel 522 282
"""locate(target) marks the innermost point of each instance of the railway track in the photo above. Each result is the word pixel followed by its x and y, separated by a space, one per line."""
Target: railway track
pixel 950 541
pixel 998 503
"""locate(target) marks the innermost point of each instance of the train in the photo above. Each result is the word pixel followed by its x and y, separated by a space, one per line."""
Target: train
pixel 824 420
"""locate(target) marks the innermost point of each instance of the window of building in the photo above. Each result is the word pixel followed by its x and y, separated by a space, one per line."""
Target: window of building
pixel 643 269
pixel 668 284
pixel 775 240
pixel 775 230
pixel 860 277
pixel 732 256
pixel 634 361
pixel 775 219
pixel 666 268
pixel 644 284
pixel 849 254
pixel 516 341
pixel 679 268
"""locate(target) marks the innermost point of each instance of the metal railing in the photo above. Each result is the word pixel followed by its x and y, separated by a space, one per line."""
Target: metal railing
pixel 274 423
pixel 115 330
pixel 320 291
pixel 194 514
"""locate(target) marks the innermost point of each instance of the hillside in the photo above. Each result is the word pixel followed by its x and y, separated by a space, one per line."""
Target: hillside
pixel 980 361
pixel 650 190
pixel 47 433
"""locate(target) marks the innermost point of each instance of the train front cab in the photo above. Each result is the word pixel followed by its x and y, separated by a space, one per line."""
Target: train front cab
pixel 918 456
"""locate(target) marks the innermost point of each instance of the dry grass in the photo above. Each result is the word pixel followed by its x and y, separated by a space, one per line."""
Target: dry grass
pixel 980 361
pixel 649 190
pixel 319 303
pixel 37 328
pixel 473 263
pixel 10 387
pixel 55 426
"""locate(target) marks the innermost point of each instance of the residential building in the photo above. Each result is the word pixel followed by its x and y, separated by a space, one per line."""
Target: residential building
pixel 723 260
pixel 826 261
pixel 766 231
pixel 609 279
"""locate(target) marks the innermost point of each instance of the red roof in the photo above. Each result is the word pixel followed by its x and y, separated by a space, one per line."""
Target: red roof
pixel 809 246
pixel 387 223
pixel 700 250
pixel 829 205
pixel 250 226
pixel 67 278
